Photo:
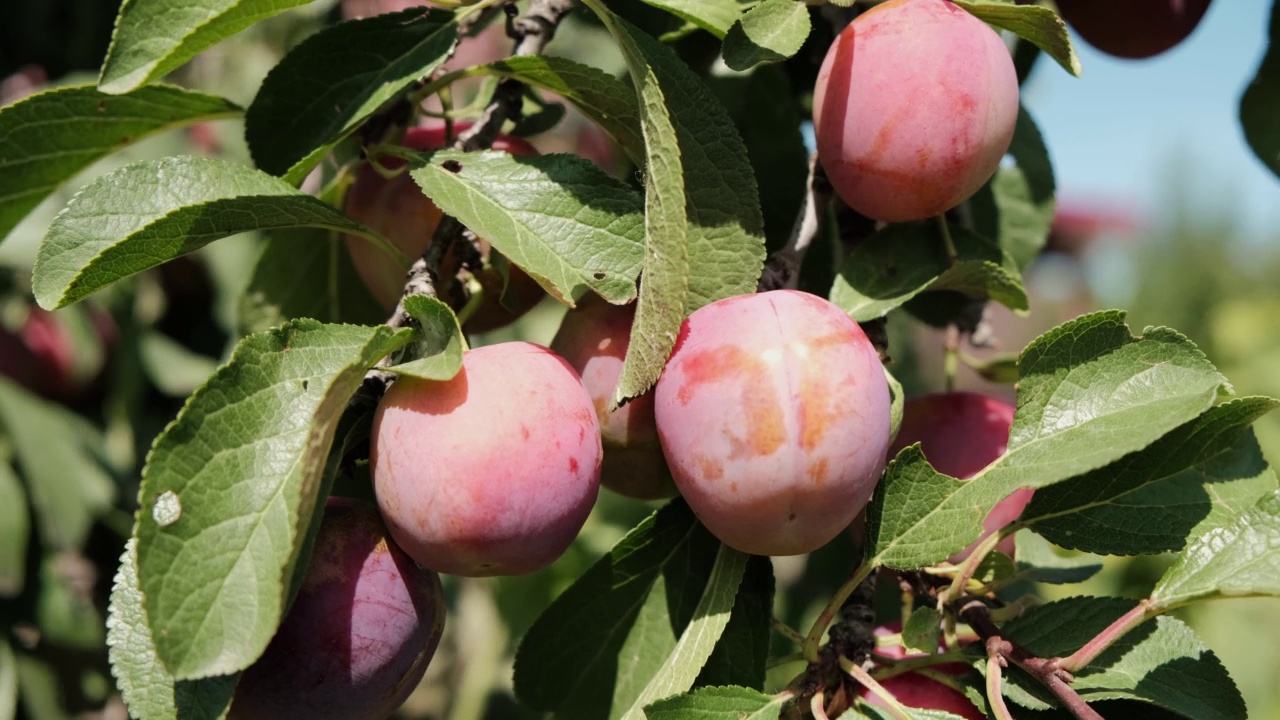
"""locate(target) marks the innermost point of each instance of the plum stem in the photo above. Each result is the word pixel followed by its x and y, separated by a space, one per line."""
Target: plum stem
pixel 890 667
pixel 1048 671
pixel 817 706
pixel 1141 613
pixel 995 675
pixel 968 567
pixel 814 638
pixel 788 632
pixel 864 678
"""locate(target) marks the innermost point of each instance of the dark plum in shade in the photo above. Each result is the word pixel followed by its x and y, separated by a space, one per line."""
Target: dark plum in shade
pixel 1133 29
pixel 360 634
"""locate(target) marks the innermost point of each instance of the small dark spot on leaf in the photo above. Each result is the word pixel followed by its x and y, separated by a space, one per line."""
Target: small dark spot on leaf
pixel 599 275
pixel 452 166
pixel 306 384
pixel 102 106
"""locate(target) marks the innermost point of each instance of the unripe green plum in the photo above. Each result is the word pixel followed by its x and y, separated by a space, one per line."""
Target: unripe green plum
pixel 773 412
pixel 918 691
pixel 593 338
pixel 1133 29
pixel 360 634
pixel 399 210
pixel 492 472
pixel 914 108
pixel 960 433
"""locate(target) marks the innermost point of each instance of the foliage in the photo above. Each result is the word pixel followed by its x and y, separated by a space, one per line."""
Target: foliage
pixel 228 360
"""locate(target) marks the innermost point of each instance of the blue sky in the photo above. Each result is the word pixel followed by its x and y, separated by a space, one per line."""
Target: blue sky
pixel 1127 132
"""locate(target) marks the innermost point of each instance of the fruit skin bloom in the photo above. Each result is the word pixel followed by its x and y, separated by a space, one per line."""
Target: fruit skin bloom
pixel 914 107
pixel 773 413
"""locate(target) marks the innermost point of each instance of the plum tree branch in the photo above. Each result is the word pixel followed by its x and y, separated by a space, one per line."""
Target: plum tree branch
pixel 432 274
pixel 1141 613
pixel 783 267
pixel 1046 670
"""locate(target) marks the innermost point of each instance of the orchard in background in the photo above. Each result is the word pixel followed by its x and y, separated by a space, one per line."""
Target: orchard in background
pixel 278 441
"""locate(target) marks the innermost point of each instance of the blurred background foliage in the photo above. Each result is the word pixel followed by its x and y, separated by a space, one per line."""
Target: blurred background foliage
pixel 90 386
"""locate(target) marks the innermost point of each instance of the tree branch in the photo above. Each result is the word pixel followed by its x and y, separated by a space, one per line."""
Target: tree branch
pixel 782 270
pixel 433 273
pixel 1047 671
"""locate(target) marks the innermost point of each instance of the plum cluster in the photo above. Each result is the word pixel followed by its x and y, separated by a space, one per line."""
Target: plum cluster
pixel 771 419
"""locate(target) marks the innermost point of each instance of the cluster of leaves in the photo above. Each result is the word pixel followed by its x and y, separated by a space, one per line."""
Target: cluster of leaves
pixel 1135 445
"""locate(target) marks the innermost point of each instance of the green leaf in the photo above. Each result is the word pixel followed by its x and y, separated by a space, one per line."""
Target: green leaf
pixel 1016 207
pixel 770 32
pixel 1260 104
pixel 148 690
pixel 719 703
pixel 60 456
pixel 559 217
pixel 15 532
pixel 229 490
pixel 306 273
pixel 714 16
pixel 742 654
pixel 1038 560
pixel 897 401
pixel 47 138
pixel 921 630
pixel 334 80
pixel 1239 559
pixel 603 98
pixel 154 37
pixel 683 664
pixel 65 612
pixel 1002 368
pixel 437 349
pixel 1160 498
pixel 775 145
pixel 8 681
pixel 1038 25
pixel 1090 394
pixel 703 228
pixel 905 259
pixel 175 369
pixel 153 211
pixel 593 651
pixel 1160 662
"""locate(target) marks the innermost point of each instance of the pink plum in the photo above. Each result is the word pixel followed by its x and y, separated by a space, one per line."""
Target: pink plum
pixel 360 634
pixel 773 413
pixel 492 472
pixel 960 433
pixel 914 107
pixel 593 338
pixel 1133 29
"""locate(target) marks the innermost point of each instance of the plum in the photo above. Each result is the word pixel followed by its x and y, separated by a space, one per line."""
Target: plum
pixel 493 472
pixel 360 634
pixel 918 691
pixel 914 108
pixel 398 209
pixel 593 338
pixel 1133 29
pixel 960 433
pixel 773 413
